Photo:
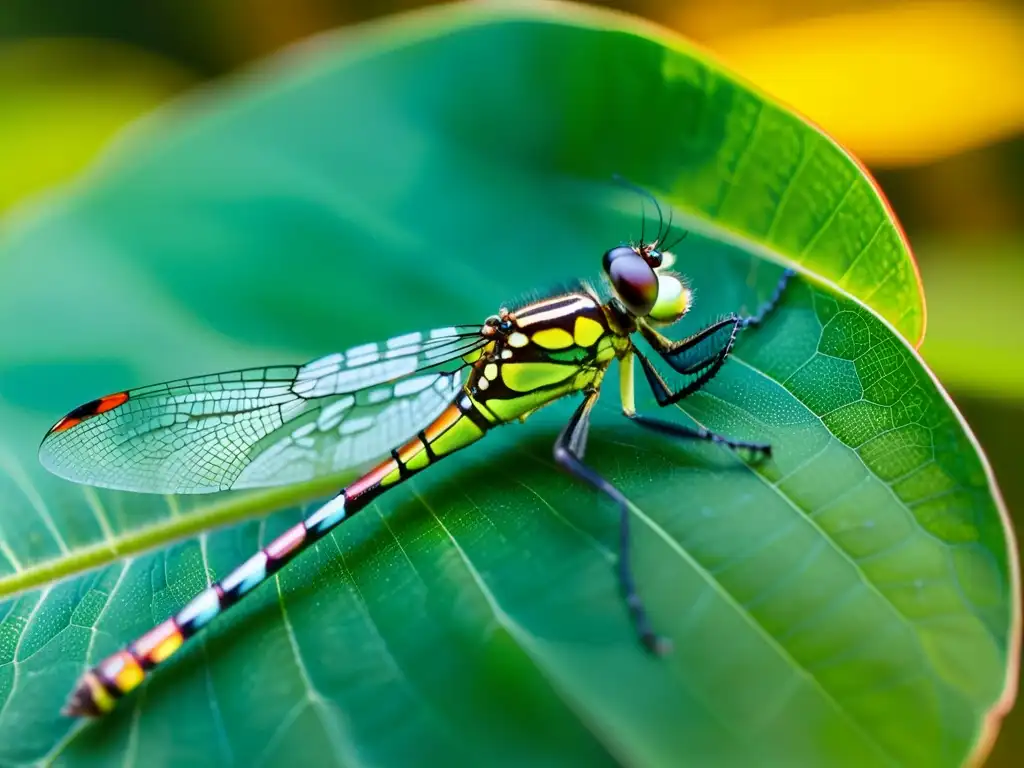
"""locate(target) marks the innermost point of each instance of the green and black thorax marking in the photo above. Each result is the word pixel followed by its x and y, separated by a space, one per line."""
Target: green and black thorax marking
pixel 542 352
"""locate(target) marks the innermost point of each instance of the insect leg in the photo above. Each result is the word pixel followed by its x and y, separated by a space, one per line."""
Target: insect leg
pixel 701 355
pixel 704 353
pixel 699 351
pixel 569 450
pixel 711 365
pixel 682 431
pixel 664 397
pixel 757 318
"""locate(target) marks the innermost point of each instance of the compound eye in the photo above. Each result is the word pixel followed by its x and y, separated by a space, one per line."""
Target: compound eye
pixel 619 252
pixel 634 281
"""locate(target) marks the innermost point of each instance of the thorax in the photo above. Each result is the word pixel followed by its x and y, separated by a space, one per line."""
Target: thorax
pixel 556 346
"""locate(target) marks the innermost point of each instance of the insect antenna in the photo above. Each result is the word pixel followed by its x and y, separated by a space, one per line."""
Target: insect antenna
pixel 644 194
pixel 643 222
pixel 677 241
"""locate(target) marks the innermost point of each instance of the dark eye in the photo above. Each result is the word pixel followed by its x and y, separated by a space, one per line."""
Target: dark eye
pixel 633 280
pixel 622 251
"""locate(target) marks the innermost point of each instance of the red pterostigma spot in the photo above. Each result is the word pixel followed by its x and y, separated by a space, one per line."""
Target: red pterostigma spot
pixel 90 409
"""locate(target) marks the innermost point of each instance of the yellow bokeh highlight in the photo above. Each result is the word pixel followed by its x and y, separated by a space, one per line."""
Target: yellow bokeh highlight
pixel 63 99
pixel 899 84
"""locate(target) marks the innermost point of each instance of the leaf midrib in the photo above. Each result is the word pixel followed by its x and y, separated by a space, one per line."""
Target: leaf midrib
pixel 166 531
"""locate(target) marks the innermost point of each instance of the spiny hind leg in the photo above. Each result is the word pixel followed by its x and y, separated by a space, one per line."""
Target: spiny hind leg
pixel 569 450
pixel 700 433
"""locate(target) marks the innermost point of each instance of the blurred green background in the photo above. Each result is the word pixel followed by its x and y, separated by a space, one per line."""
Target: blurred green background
pixel 929 95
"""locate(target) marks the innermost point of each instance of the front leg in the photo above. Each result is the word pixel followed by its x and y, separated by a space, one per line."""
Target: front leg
pixel 704 353
pixel 569 450
pixel 701 355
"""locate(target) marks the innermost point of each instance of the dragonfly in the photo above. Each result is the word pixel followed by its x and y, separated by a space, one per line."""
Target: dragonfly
pixel 409 402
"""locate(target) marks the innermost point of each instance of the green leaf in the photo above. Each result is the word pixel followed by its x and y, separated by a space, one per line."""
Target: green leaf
pixel 851 601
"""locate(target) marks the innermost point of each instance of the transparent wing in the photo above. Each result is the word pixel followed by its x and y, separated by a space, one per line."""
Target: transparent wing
pixel 263 426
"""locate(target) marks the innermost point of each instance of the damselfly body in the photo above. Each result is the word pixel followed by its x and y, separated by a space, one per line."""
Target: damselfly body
pixel 421 397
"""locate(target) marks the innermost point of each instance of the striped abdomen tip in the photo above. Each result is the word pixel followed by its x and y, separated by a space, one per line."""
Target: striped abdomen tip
pixel 89 699
pixel 99 689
